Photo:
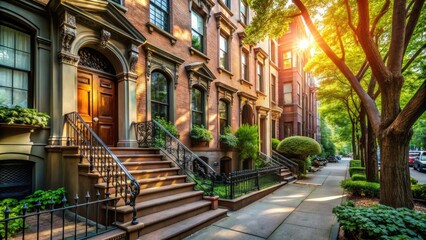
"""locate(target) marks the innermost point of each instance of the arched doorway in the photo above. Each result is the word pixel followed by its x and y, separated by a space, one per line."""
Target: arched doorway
pixel 225 165
pixel 97 94
pixel 247 115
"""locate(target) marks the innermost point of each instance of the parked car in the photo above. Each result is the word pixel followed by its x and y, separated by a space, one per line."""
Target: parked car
pixel 412 155
pixel 420 162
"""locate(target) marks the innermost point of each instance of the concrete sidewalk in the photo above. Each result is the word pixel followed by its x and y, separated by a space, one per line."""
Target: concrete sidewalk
pixel 296 211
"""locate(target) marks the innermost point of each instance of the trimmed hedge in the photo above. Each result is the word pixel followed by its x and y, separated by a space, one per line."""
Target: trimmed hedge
pixel 356 170
pixel 354 163
pixel 419 191
pixel 361 188
pixel 359 177
pixel 299 146
pixel 413 181
pixel 275 143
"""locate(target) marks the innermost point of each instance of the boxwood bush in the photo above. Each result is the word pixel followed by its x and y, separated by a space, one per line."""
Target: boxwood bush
pixel 275 143
pixel 419 191
pixel 354 163
pixel 361 188
pixel 299 146
pixel 356 170
pixel 359 177
pixel 380 222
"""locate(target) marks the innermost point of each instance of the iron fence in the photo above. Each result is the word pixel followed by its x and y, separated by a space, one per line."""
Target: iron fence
pixel 101 159
pixel 63 222
pixel 153 134
pixel 239 183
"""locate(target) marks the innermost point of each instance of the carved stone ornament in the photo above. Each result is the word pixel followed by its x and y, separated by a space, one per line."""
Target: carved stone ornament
pixel 68 58
pixel 105 36
pixel 133 57
pixel 67 31
pixel 148 64
pixel 93 59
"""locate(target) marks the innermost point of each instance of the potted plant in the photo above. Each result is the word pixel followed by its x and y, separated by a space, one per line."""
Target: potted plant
pixel 23 116
pixel 199 134
pixel 228 140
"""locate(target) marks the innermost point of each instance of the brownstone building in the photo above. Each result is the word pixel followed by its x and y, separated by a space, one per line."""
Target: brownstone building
pixel 298 89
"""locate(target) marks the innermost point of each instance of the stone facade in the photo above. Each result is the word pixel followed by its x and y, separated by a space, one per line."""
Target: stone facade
pixel 129 36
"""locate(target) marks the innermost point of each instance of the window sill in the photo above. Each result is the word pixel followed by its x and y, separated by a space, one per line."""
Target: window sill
pixel 151 28
pixel 260 93
pixel 27 127
pixel 223 5
pixel 245 82
pixel 220 69
pixel 193 51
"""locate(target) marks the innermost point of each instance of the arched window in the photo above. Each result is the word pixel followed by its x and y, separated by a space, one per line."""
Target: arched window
pixel 15 67
pixel 198 107
pixel 247 115
pixel 223 116
pixel 160 96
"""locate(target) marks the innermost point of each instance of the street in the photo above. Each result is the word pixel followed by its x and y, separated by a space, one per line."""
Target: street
pixel 420 176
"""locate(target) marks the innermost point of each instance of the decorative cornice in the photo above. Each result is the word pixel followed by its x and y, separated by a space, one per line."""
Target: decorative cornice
pixel 246 95
pixel 164 54
pixel 260 53
pixel 221 85
pixel 222 22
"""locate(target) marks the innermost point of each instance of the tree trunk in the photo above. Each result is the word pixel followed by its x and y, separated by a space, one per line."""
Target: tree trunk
pixel 354 151
pixel 371 169
pixel 363 140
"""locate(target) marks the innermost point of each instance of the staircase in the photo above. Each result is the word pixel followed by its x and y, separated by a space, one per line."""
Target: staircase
pixel 287 175
pixel 167 206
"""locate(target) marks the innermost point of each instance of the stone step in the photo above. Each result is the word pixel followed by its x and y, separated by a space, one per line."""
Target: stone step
pixel 111 235
pixel 186 227
pixel 163 191
pixel 144 208
pixel 147 165
pixel 167 217
pixel 154 173
pixel 139 157
pixel 149 182
pixel 129 150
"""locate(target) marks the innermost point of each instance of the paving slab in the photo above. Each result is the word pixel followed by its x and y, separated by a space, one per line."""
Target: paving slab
pixel 312 220
pixel 313 179
pixel 296 232
pixel 219 233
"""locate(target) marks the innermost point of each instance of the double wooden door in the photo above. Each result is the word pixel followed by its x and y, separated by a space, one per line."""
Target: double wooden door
pixel 97 104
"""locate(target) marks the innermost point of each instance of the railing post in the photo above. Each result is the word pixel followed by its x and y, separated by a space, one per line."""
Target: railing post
pixel 257 179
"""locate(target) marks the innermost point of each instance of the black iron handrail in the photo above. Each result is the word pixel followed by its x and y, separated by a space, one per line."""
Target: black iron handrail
pixel 101 159
pixel 292 165
pixel 270 162
pixel 153 134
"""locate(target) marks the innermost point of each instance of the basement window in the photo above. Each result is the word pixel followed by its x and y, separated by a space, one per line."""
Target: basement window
pixel 16 178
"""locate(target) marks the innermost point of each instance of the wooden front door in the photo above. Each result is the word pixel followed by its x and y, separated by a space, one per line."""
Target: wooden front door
pixel 97 104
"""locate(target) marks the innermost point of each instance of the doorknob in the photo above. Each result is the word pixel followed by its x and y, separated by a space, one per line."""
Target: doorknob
pixel 95 119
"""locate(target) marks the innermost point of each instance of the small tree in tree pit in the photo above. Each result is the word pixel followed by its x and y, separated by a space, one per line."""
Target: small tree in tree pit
pixel 383 30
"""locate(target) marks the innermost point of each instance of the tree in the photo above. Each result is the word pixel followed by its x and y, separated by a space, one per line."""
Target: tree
pixel 388 52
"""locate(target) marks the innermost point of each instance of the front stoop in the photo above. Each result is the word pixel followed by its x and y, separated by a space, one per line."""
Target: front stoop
pixel 167 206
pixel 116 234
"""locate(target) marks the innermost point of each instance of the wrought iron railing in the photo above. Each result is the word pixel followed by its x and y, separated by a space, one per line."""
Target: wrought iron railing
pixel 101 159
pixel 292 165
pixel 153 134
pixel 269 161
pixel 66 221
pixel 239 183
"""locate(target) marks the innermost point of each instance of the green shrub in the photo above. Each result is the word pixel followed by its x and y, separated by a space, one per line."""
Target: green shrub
pixel 299 146
pixel 248 141
pixel 15 207
pixel 169 126
pixel 356 170
pixel 361 188
pixel 380 222
pixel 419 191
pixel 354 163
pixel 200 134
pixel 275 143
pixel 228 139
pixel 20 115
pixel 413 181
pixel 359 177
